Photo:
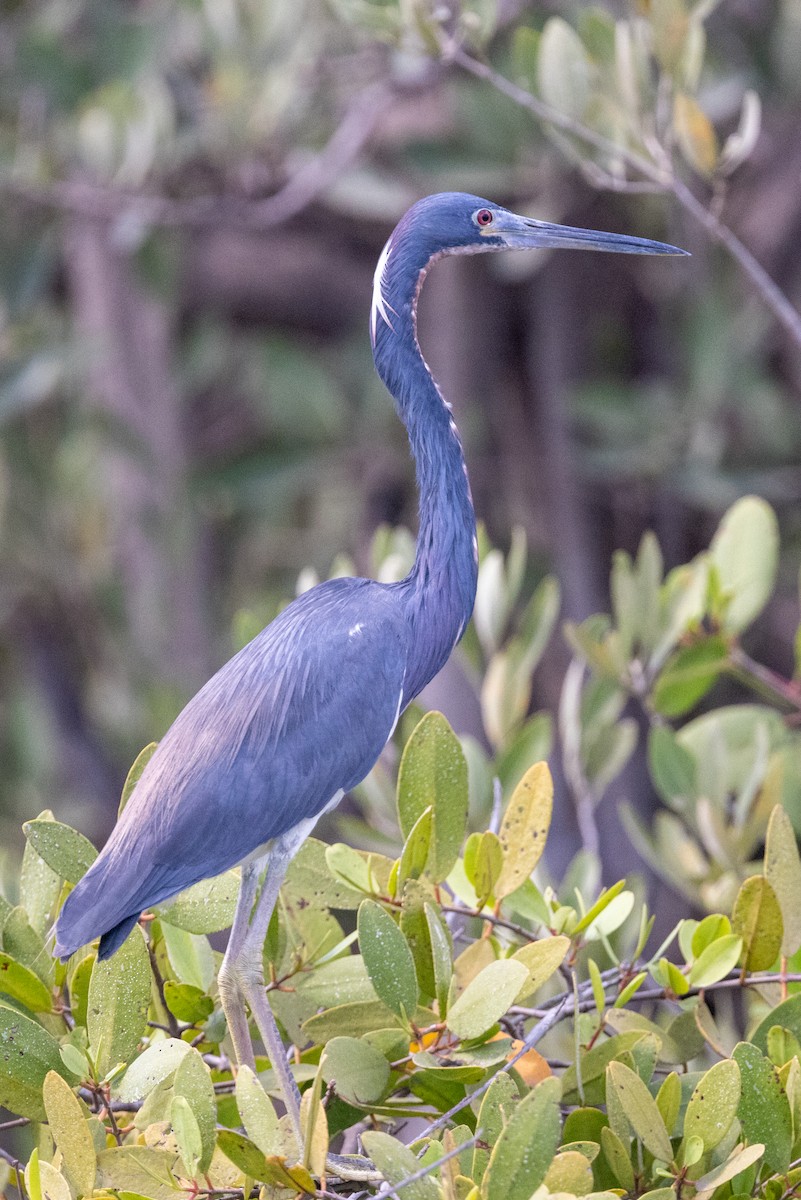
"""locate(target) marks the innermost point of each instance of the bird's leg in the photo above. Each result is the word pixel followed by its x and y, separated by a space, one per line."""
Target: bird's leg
pixel 249 968
pixel 231 998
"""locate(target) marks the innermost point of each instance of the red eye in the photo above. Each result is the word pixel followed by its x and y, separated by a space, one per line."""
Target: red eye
pixel 484 217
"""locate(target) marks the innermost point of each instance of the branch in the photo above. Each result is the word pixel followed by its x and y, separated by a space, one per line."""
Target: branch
pixel 657 174
pixel 107 203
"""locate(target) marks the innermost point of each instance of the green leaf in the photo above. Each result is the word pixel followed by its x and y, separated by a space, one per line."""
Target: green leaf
pixel 715 962
pixel 187 1002
pixel 433 773
pixel 79 982
pixel 740 1160
pixel 483 861
pixel 243 1154
pixel 496 1103
pixel 525 1149
pixel 564 73
pixel 783 872
pixel 39 885
pixel 541 959
pixel 486 998
pixel 787 1014
pixel 65 851
pixel 668 1100
pixel 27 1053
pixel 414 855
pixel 441 956
pixel 396 1163
pixel 22 985
pixel 595 1061
pixel 524 828
pixel 713 1104
pixel 309 876
pixel 156 1063
pixel 641 1110
pixel 571 1173
pixel 119 997
pixel 256 1110
pixel 745 552
pixel 388 959
pixel 757 918
pixel 135 774
pixel 618 1158
pixel 688 675
pixel 359 1071
pixel 764 1110
pixel 672 767
pixel 187 1134
pixel 71 1133
pixel 190 955
pixel 207 907
pixel 193 1083
pixel 51 1183
pixel 139 1170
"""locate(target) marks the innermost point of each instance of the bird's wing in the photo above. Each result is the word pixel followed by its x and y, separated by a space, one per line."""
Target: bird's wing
pixel 299 715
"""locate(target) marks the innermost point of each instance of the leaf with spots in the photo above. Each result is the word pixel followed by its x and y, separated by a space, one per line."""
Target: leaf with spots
pixel 524 828
pixel 433 773
pixel 757 918
pixel 713 1104
pixel 388 959
pixel 641 1109
pixel 71 1133
pixel 764 1110
pixel 525 1149
pixel 27 1053
pixel 119 997
pixel 65 851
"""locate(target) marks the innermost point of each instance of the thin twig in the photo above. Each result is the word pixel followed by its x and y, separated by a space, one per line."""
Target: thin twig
pixel 660 174
pixel 390 1190
pixel 302 189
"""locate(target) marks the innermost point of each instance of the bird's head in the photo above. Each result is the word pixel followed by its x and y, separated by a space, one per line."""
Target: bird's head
pixel 454 222
pixel 459 223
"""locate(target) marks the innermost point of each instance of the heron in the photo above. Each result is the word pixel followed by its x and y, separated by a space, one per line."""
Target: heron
pixel 300 715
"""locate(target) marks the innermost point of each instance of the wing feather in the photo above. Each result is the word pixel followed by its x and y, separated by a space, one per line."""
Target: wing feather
pixel 300 714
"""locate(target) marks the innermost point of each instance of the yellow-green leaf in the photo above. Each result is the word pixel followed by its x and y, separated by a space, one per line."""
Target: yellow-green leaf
pixel 524 828
pixel 396 1163
pixel 757 918
pixel 641 1110
pixel 119 997
pixel 433 773
pixel 70 1132
pixel 541 959
pixel 783 872
pixel 745 552
pixel 522 1154
pixel 713 1104
pixel 135 774
pixel 695 134
pixel 486 998
pixel 65 851
pixel 257 1112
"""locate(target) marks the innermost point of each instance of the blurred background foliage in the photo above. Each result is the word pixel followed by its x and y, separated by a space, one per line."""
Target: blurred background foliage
pixel 194 196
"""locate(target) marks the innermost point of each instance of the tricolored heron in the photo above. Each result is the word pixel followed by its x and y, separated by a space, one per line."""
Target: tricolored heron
pixel 300 715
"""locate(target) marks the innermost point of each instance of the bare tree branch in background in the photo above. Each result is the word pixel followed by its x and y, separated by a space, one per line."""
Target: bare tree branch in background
pixel 659 176
pixel 81 197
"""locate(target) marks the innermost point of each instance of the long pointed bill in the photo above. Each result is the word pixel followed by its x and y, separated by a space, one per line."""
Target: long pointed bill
pixel 521 233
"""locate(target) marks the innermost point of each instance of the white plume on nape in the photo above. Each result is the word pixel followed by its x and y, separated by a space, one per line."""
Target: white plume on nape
pixel 380 305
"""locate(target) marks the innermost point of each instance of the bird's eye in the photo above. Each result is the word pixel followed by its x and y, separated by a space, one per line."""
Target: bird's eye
pixel 484 217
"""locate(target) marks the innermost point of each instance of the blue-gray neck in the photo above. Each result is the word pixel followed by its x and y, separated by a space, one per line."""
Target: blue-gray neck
pixel 440 590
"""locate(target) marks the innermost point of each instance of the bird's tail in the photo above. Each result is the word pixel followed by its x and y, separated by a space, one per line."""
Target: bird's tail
pixel 95 908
